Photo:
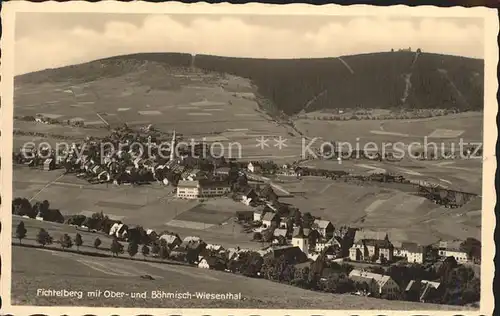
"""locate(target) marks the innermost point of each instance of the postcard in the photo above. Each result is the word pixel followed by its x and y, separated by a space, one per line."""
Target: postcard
pixel 197 159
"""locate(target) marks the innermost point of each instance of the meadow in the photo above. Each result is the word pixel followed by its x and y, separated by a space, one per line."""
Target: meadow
pixel 151 206
pixel 59 270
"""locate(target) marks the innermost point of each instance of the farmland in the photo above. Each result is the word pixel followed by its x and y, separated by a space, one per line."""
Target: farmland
pixel 151 206
pixel 202 108
pixel 59 270
pixel 403 215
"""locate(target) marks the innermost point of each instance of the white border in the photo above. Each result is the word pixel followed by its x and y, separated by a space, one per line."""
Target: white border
pixel 491 27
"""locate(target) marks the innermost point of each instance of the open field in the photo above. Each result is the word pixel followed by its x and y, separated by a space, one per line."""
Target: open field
pixel 444 129
pixel 463 175
pixel 74 272
pixel 384 207
pixel 212 112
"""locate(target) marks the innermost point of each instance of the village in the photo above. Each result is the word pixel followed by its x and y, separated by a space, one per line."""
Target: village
pixel 285 237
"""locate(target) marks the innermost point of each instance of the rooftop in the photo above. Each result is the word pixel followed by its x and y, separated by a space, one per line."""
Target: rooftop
pixel 321 223
pixel 379 278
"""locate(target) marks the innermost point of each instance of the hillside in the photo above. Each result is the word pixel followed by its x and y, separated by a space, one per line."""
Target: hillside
pixel 60 270
pixel 379 80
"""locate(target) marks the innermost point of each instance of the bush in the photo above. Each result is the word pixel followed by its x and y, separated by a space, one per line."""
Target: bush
pixel 66 241
pixel 43 238
pixel 97 243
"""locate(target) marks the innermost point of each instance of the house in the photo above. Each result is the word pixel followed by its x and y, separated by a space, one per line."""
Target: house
pixel 362 234
pixel 323 244
pixel 378 284
pixel 196 245
pixel 151 234
pixel 190 239
pixel 291 253
pixel 118 230
pixel 372 249
pixel 270 220
pixel 283 224
pixel 413 252
pixel 201 189
pixel 214 247
pixel 421 290
pixel 249 196
pixel 279 232
pixel 459 255
pixel 333 252
pixel 222 171
pixel 49 164
pixel 212 263
pixel 114 229
pixel 254 167
pixel 452 249
pixel 325 228
pixel 171 240
pixel 257 215
pixel 245 216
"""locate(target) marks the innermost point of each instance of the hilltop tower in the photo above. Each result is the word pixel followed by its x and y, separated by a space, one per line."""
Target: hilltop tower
pixel 172 147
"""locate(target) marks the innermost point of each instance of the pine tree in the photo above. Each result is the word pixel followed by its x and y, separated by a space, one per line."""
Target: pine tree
pixel 145 250
pixel 21 232
pixel 78 241
pixel 163 252
pixel 133 248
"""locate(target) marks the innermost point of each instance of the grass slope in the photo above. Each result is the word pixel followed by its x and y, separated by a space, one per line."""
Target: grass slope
pixel 369 80
pixel 75 272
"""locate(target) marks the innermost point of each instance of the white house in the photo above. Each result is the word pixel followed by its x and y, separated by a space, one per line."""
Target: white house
pixel 114 229
pixel 323 244
pixel 254 166
pixel 460 256
pixel 204 264
pixel 211 263
pixel 270 219
pixel 413 252
pixel 171 240
pixel 214 247
pixel 201 189
pixel 452 249
pixel 378 284
pixel 257 215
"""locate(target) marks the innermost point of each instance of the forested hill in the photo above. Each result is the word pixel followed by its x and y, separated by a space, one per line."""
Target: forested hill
pixel 378 80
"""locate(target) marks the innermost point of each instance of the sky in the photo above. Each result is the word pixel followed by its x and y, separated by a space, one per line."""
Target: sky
pixel 51 40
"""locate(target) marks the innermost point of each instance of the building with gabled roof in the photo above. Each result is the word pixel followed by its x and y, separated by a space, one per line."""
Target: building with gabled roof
pixel 325 228
pixel 212 262
pixel 270 219
pixel 171 240
pixel 49 164
pixel 378 284
pixel 202 189
pixel 413 252
pixel 372 249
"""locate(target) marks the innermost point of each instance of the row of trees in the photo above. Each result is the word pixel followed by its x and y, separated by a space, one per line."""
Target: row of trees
pixel 43 238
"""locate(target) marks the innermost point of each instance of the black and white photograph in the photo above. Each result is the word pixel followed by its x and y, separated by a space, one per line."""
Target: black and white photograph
pixel 248 157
